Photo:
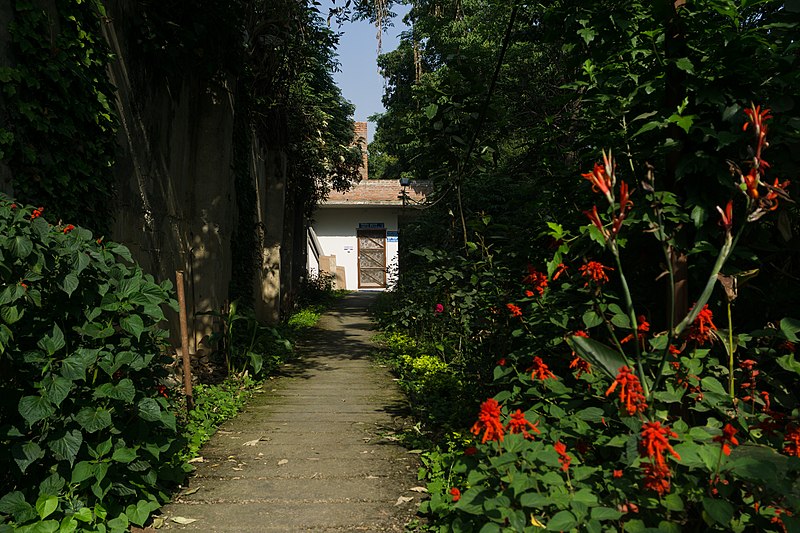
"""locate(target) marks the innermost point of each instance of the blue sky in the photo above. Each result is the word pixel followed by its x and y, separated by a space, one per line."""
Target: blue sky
pixel 358 78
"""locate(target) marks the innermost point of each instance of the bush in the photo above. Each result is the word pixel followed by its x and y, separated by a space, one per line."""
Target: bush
pixel 85 412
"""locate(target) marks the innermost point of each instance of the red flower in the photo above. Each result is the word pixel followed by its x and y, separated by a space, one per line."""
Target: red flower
pixel 563 456
pixel 13 206
pixel 560 269
pixel 756 117
pixel 514 309
pixel 599 178
pixel 656 478
pixel 501 361
pixel 792 438
pixel 581 365
pixel 455 493
pixel 68 228
pixel 438 309
pixel 594 218
pixel 37 213
pixel 751 182
pixel 727 438
pixel 594 271
pixel 472 450
pixel 624 206
pixel 726 216
pixel 700 330
pixel 162 390
pixel 489 421
pixel 537 279
pixel 540 370
pixel 655 441
pixel 616 474
pixel 641 329
pixel 23 285
pixel 518 424
pixel 631 394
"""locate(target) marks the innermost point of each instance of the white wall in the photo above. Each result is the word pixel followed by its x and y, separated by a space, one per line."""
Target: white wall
pixel 336 229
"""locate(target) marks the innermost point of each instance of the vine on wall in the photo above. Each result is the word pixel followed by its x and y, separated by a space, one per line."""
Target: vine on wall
pixel 59 133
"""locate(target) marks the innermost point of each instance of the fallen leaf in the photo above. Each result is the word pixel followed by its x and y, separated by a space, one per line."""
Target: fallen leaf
pixel 283 462
pixel 403 499
pixel 196 460
pixel 418 489
pixel 190 491
pixel 183 521
pixel 158 522
pixel 255 441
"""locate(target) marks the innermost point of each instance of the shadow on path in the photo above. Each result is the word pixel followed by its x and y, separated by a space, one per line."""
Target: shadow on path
pixel 315 450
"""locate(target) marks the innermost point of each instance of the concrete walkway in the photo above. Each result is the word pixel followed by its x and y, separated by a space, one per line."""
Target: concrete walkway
pixel 315 450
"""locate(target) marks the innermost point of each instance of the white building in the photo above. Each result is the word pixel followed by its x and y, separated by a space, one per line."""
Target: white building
pixel 355 235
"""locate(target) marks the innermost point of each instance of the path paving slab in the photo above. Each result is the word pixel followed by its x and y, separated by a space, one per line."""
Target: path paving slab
pixel 315 450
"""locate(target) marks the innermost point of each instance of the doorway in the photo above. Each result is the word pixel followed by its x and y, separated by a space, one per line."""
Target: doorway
pixel 371 258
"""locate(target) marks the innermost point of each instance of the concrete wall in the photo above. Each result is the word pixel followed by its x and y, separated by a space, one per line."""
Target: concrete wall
pixel 336 230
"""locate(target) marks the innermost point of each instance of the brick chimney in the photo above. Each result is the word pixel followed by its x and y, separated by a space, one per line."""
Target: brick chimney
pixel 361 140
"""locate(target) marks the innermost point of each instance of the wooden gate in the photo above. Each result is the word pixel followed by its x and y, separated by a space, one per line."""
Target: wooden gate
pixel 371 258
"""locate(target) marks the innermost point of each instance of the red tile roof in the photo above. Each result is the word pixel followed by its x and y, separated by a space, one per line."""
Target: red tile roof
pixel 379 192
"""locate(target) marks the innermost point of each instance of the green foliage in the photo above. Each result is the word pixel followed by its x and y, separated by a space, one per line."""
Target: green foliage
pixel 59 135
pixel 85 414
pixel 213 405
pixel 246 345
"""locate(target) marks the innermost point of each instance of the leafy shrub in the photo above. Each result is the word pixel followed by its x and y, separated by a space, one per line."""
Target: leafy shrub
pixel 605 412
pixel 85 413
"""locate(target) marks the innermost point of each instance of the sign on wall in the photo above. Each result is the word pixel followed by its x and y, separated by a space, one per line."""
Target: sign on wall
pixel 370 225
pixel 392 236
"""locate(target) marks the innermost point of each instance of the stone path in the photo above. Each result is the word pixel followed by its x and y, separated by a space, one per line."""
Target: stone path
pixel 314 451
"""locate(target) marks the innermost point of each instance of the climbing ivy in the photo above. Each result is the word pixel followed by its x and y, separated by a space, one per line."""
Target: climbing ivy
pixel 59 133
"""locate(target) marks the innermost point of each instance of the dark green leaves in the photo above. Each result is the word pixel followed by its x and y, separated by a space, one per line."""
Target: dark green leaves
pixel 597 353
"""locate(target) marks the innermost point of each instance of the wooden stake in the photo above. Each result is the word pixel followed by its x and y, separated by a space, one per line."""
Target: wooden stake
pixel 187 368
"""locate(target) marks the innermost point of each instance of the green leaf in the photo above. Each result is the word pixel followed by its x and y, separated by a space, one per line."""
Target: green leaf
pixel 608 359
pixel 647 127
pixel 789 328
pixel 471 501
pixel 56 389
pixel 10 314
pixel 92 419
pixel 35 408
pixel 431 110
pixel 69 283
pixel 124 390
pixel 21 246
pixel 149 410
pixel 719 510
pixel 66 448
pixel 26 454
pixel 82 471
pixel 591 319
pixel 256 361
pixel 74 367
pixel 119 524
pixel 124 455
pixel 788 362
pixel 46 505
pixel 133 324
pixel 14 504
pixel 605 513
pixel 685 64
pixel 139 513
pixel 53 342
pixel 562 521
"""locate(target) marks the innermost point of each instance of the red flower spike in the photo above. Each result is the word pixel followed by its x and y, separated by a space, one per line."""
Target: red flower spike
pixel 581 366
pixel 514 310
pixel 631 394
pixel 537 279
pixel 518 424
pixel 641 329
pixel 727 438
pixel 563 456
pixel 540 370
pixel 616 474
pixel 594 271
pixel 701 328
pixel 594 218
pixel 68 228
pixel 792 438
pixel 655 442
pixel 455 493
pixel 559 270
pixel 489 422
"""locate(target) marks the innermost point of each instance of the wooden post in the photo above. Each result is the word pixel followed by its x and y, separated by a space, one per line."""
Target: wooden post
pixel 187 368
